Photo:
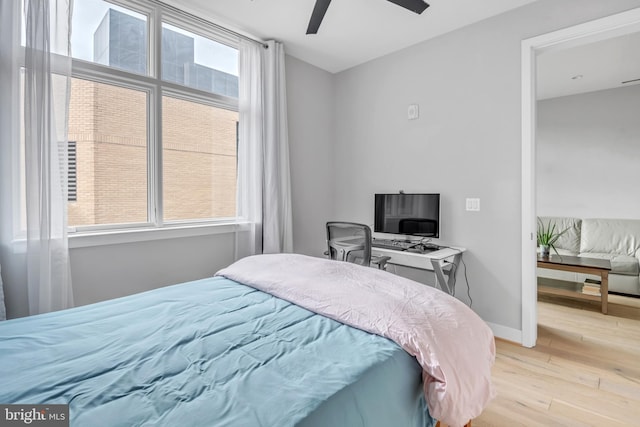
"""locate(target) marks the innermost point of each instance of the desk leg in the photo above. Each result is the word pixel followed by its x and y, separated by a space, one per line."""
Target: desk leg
pixel 604 291
pixel 446 284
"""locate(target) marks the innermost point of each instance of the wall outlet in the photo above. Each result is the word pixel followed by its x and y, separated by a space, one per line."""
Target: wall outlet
pixel 413 112
pixel 473 204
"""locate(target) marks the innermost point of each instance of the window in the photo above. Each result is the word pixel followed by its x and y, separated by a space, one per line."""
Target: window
pixel 152 122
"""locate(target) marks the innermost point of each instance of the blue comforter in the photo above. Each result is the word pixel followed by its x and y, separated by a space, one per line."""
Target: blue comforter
pixel 208 353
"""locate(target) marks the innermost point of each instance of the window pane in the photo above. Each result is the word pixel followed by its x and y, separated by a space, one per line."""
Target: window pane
pixel 108 125
pixel 109 35
pixel 199 160
pixel 198 62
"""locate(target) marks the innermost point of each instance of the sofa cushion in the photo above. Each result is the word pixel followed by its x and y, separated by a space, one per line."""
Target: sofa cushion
pixel 570 239
pixel 620 264
pixel 612 236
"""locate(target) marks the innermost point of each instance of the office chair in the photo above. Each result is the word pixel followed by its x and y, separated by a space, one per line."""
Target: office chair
pixel 351 242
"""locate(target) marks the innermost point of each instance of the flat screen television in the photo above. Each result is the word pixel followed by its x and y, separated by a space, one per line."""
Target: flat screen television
pixel 409 214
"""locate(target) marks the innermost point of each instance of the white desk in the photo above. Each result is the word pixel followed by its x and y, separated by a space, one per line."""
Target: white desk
pixel 441 262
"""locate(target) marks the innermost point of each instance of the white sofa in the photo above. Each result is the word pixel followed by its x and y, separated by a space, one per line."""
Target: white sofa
pixel 617 240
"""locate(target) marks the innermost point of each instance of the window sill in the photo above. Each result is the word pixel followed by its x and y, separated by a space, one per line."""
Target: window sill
pixel 132 235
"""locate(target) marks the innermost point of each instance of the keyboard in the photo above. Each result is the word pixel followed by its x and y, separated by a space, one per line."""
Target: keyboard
pixel 402 245
pixel 398 245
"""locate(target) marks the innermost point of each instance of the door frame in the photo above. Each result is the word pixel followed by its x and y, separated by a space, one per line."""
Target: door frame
pixel 600 29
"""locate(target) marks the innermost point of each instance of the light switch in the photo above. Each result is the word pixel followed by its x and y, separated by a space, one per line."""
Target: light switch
pixel 413 112
pixel 473 204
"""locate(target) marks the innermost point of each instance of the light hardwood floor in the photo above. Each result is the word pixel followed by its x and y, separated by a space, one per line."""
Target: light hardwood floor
pixel 584 370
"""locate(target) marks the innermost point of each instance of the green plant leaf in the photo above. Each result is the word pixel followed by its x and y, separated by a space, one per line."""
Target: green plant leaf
pixel 547 235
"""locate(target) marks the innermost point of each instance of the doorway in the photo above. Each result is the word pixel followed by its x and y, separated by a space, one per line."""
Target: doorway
pixel 601 29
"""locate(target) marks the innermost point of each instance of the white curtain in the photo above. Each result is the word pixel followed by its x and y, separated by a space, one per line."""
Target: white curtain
pixel 277 221
pixel 249 193
pixel 8 133
pixel 264 188
pixel 46 85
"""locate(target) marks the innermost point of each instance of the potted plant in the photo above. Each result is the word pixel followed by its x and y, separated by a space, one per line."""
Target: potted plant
pixel 547 237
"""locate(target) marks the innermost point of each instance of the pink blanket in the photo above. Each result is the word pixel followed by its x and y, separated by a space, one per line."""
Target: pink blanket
pixel 455 348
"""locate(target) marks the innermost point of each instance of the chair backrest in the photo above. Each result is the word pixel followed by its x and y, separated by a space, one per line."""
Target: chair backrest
pixel 349 241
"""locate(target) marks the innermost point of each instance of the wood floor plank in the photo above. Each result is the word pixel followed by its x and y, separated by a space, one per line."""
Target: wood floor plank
pixel 610 356
pixel 507 412
pixel 603 374
pixel 582 396
pixel 584 415
pixel 628 387
pixel 565 373
pixel 584 370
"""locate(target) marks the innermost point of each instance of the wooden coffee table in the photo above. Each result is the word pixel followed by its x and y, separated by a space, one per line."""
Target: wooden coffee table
pixel 598 267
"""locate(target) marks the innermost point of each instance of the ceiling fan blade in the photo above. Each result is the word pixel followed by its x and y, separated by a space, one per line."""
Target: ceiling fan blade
pixel 417 6
pixel 318 14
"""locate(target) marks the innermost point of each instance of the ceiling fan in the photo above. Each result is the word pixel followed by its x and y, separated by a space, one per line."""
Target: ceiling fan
pixel 417 6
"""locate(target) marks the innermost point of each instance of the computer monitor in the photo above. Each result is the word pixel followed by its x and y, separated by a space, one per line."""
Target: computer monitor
pixel 409 214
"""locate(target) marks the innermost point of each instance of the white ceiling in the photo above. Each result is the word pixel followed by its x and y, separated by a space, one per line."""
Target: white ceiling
pixel 602 64
pixel 357 31
pixel 352 32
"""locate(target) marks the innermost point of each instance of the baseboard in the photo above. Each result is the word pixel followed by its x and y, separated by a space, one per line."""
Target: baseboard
pixel 506 333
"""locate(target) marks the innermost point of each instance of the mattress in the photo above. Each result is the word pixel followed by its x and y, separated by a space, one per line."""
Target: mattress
pixel 212 352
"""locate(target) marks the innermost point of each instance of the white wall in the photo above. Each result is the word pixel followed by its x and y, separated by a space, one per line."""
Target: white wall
pixel 310 100
pixel 466 143
pixel 110 271
pixel 588 152
pixel 14 278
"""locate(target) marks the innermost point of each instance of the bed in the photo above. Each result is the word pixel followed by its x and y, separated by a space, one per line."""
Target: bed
pixel 223 352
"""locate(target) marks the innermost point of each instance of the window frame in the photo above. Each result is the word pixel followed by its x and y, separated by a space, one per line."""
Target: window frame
pixel 122 79
pixel 152 84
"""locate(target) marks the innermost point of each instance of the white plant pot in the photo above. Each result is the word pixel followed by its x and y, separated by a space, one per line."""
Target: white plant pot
pixel 544 250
